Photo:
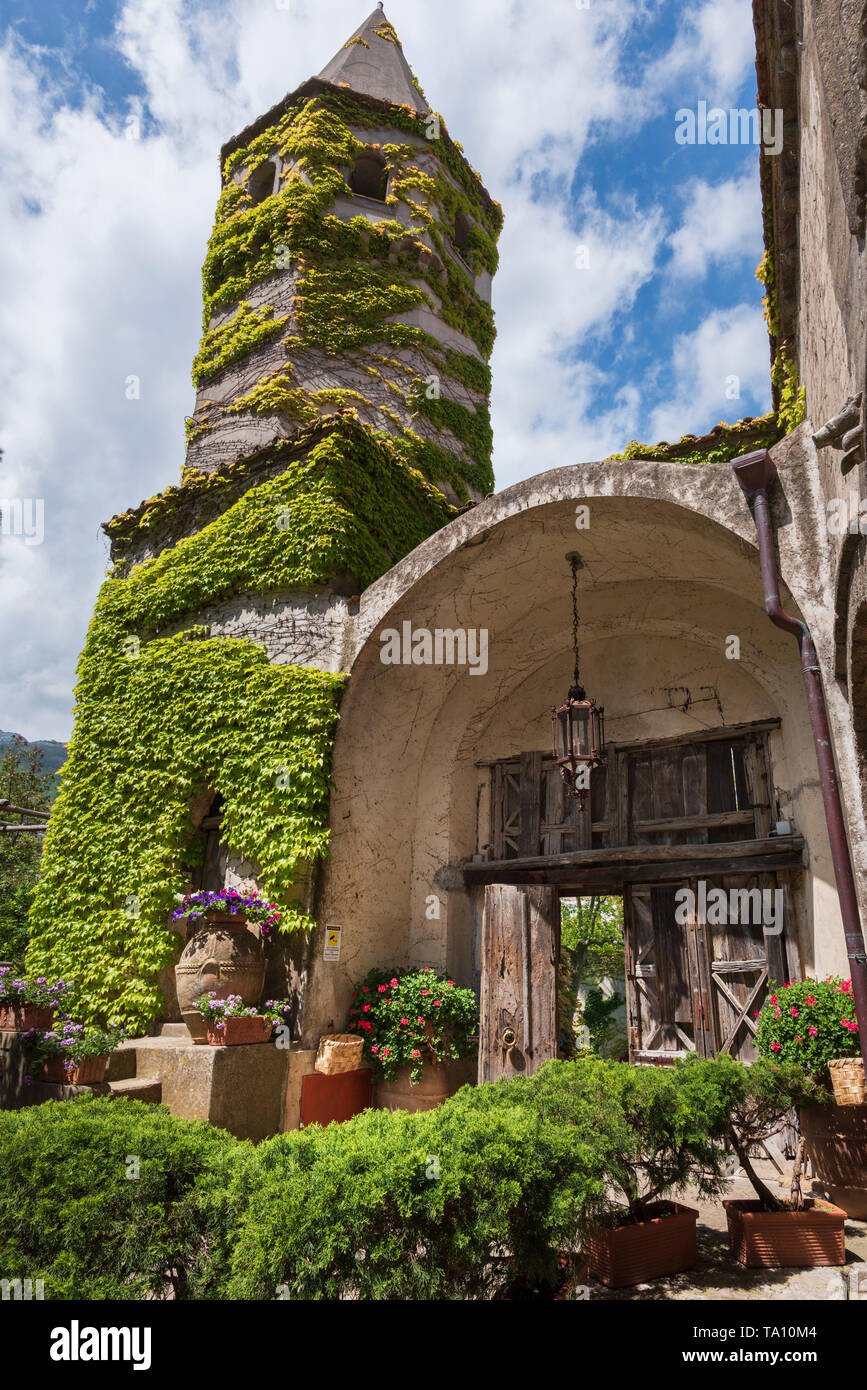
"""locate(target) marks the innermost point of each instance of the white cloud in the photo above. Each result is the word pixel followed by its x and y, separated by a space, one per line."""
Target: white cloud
pixel 728 349
pixel 721 223
pixel 102 240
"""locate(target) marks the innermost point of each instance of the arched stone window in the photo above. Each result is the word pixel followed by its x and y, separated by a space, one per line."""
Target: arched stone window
pixel 261 184
pixel 369 176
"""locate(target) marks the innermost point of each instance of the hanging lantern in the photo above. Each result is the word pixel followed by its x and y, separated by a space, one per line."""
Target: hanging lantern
pixel 579 731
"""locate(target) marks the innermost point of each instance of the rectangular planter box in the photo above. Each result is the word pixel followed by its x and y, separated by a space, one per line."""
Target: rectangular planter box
pixel 88 1071
pixel 786 1239
pixel 329 1099
pixel 239 1030
pixel 624 1255
pixel 17 1018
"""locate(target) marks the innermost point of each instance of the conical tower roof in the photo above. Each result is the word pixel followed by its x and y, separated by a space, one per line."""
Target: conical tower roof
pixel 372 62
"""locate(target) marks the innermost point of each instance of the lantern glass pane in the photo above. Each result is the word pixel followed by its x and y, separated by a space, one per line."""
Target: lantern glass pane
pixel 581 730
pixel 561 733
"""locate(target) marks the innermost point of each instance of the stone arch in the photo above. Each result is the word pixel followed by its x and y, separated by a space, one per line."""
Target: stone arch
pixel 672 571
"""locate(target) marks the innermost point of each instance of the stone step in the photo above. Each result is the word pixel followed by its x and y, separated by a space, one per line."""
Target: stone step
pixel 148 1088
pixel 122 1063
pixel 175 1030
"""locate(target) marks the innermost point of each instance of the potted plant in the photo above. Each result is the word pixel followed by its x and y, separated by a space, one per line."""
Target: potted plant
pixel 768 1231
pixel 412 1023
pixel 662 1131
pixel 72 1054
pixel 813 1023
pixel 27 1003
pixel 230 1022
pixel 221 957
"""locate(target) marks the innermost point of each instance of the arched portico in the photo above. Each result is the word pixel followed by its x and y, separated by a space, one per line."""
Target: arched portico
pixel 675 642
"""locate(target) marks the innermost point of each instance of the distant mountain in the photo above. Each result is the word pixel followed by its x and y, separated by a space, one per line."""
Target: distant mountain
pixel 53 753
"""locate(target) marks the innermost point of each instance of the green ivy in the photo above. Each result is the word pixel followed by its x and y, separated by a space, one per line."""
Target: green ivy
pixel 247 329
pixel 158 725
pixel 792 396
pixel 164 718
pixel 353 277
pixel 724 442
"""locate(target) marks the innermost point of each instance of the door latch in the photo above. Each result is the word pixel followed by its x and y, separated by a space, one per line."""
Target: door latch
pixel 509 1038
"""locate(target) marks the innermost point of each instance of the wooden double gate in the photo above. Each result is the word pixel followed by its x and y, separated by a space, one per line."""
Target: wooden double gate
pixel 680 828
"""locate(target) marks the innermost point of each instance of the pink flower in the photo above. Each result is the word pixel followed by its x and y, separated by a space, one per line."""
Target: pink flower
pixel 756 1013
pixel 365 989
pixel 798 1038
pixel 394 983
pixel 382 988
pixel 374 1048
pixel 415 1052
pixel 449 982
pixel 773 999
pixel 420 1019
pixel 365 1008
pixel 385 1052
pixel 775 1047
pixel 404 1020
pixel 794 1013
pixel 813 1032
pixel 810 999
pixel 437 1003
pixel 425 991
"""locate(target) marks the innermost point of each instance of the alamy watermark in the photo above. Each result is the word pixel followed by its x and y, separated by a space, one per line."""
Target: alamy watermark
pixel 719 907
pixel 24 518
pixel 445 646
pixel 738 126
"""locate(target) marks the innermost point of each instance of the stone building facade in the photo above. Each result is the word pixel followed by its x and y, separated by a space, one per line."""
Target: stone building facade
pixel 347 329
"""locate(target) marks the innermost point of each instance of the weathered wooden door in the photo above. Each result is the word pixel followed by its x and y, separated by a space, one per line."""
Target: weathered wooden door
pixel 520 950
pixel 694 985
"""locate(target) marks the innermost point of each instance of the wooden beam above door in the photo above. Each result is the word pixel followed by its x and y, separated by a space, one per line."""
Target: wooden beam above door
pixel 600 868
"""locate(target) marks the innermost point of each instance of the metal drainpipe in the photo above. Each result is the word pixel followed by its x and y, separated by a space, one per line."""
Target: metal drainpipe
pixel 755 473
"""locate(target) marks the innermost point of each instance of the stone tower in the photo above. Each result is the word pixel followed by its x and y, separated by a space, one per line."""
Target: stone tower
pixel 341 418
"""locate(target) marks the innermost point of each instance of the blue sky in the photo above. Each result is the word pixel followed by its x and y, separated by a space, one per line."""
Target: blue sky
pixel 567 109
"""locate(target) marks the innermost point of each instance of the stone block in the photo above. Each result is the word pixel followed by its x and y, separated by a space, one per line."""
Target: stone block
pixel 240 1088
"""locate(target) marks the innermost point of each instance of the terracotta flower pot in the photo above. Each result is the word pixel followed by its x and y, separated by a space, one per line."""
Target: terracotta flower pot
pixel 17 1018
pixel 87 1072
pixel 239 1030
pixel 786 1239
pixel 399 1094
pixel 644 1250
pixel 223 956
pixel 836 1137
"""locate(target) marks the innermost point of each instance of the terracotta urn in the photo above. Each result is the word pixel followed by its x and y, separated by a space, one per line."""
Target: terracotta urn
pixel 222 955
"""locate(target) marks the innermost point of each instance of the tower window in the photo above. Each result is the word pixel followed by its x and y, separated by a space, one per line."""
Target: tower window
pixel 369 176
pixel 261 184
pixel 461 236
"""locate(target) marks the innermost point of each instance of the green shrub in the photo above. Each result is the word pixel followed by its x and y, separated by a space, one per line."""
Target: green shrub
pixel 455 1203
pixel 448 1204
pixel 73 1214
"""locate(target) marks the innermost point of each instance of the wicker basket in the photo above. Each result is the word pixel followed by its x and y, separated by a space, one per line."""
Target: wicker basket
pixel 338 1052
pixel 847 1078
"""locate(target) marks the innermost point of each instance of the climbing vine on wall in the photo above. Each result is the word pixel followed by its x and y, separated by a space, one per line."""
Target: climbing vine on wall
pixel 164 718
pixel 159 724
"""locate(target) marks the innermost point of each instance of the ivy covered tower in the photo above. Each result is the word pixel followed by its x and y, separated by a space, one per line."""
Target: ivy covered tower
pixel 341 417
